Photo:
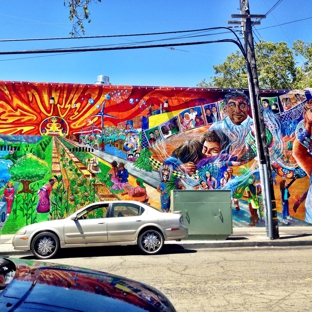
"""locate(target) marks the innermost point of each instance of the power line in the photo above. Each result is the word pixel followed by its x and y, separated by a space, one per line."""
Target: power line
pixel 111 36
pixel 140 45
pixel 278 25
pixel 273 7
pixel 88 49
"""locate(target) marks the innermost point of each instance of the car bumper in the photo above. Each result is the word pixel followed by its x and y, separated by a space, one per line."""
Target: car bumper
pixel 177 233
pixel 21 242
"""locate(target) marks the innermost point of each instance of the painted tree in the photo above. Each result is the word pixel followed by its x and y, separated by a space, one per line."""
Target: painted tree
pixel 28 169
pixel 143 161
pixel 38 151
pixel 276 68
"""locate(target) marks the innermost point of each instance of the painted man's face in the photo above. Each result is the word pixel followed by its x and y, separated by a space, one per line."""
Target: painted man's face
pixel 237 109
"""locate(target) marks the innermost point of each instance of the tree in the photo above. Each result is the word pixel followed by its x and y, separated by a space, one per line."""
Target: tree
pixel 304 50
pixel 78 13
pixel 143 161
pixel 28 169
pixel 276 68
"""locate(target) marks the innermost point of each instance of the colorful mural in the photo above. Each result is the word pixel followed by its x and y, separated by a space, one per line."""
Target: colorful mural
pixel 63 146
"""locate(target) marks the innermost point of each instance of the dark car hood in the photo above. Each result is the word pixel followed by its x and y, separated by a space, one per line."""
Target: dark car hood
pixel 39 286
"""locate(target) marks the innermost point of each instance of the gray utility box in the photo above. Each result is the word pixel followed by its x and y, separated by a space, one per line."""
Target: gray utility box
pixel 206 214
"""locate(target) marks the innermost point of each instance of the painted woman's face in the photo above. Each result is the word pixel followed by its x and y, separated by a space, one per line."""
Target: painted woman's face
pixel 211 149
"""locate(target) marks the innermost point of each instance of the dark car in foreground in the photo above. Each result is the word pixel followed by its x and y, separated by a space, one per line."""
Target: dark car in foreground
pixel 27 285
pixel 103 224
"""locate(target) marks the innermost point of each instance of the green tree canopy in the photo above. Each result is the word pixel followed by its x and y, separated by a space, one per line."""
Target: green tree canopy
pixel 28 169
pixel 304 51
pixel 276 64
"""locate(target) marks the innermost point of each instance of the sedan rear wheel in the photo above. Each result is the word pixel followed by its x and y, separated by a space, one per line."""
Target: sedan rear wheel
pixel 151 241
pixel 45 245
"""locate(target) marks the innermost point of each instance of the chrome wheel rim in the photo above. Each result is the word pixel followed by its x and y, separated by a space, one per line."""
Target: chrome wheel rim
pixel 151 242
pixel 45 246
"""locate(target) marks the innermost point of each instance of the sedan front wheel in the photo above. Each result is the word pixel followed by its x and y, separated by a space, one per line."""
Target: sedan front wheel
pixel 45 245
pixel 151 241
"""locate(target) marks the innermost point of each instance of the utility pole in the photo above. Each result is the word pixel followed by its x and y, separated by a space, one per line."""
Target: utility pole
pixel 260 135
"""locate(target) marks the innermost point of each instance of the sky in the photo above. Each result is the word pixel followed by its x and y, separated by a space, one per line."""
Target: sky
pixel 183 66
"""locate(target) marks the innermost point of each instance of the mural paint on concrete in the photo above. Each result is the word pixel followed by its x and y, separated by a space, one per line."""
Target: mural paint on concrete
pixel 63 146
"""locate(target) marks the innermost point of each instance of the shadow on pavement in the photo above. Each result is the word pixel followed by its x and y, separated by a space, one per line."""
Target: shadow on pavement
pixel 295 236
pixel 236 238
pixel 111 251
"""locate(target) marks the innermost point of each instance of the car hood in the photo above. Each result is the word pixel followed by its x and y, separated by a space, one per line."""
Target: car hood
pixel 39 286
pixel 43 224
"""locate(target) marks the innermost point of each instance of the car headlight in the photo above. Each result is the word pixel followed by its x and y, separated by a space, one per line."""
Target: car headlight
pixel 22 231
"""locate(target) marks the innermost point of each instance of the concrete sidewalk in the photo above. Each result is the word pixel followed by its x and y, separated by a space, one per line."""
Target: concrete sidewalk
pixel 241 237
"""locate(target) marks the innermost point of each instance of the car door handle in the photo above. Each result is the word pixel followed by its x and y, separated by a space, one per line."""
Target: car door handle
pixel 101 223
pixel 138 220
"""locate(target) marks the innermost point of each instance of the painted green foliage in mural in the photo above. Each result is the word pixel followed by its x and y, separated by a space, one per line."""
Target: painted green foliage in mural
pixel 31 162
pixel 143 161
pixel 28 169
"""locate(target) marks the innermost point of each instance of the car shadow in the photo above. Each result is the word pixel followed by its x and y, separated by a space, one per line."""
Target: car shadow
pixel 111 251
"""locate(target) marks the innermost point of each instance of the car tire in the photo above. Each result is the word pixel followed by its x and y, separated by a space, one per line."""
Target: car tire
pixel 151 241
pixel 45 245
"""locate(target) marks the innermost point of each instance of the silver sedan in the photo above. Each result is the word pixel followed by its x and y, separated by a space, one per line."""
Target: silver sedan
pixel 103 224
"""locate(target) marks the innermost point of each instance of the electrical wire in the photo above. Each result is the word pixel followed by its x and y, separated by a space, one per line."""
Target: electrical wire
pixel 110 36
pixel 278 25
pixel 273 7
pixel 88 49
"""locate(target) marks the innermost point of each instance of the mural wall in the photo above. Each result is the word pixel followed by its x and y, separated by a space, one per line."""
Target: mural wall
pixel 63 146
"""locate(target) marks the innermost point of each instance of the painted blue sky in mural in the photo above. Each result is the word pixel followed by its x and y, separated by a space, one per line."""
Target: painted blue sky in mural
pixel 185 66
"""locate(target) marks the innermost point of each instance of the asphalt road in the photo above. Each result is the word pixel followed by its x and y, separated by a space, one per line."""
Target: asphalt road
pixel 221 279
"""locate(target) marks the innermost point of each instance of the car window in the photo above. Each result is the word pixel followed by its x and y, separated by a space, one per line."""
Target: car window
pixel 126 210
pixel 94 212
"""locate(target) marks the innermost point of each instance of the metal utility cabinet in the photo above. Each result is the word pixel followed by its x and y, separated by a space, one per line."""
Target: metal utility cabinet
pixel 206 214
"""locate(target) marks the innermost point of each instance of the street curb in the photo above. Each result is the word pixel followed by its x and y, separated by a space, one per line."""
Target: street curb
pixel 247 244
pixel 199 245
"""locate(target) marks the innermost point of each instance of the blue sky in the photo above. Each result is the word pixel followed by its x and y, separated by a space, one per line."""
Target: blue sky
pixel 182 66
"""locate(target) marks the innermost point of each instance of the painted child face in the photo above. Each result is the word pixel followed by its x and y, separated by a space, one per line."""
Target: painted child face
pixel 265 104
